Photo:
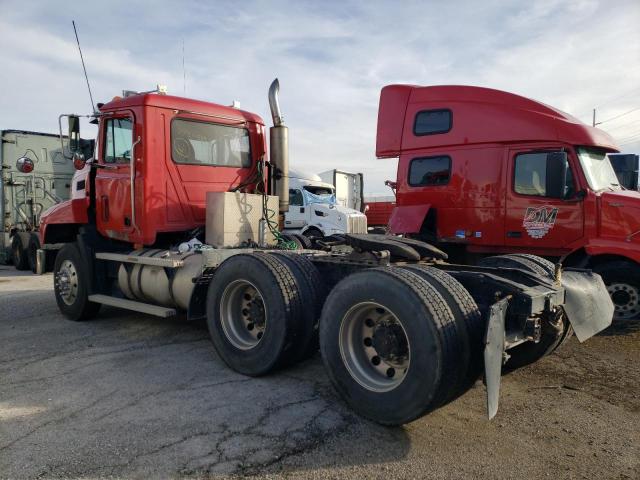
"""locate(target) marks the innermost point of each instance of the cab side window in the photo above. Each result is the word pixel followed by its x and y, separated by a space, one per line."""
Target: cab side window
pixel 295 197
pixel 118 140
pixel 530 177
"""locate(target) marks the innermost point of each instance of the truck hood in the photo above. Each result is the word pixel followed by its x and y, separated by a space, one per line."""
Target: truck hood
pixel 620 215
pixel 337 219
pixel 334 209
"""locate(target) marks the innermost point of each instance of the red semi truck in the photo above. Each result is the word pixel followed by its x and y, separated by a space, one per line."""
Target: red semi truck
pixel 401 331
pixel 485 172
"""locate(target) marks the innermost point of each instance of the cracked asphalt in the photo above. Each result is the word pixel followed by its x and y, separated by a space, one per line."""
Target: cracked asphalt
pixel 128 395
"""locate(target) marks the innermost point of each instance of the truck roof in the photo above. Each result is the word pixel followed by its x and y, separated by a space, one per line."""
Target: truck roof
pixel 29 132
pixel 479 115
pixel 181 104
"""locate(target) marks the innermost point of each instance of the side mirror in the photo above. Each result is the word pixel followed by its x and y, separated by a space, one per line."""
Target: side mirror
pixel 557 166
pixel 74 133
pixel 25 165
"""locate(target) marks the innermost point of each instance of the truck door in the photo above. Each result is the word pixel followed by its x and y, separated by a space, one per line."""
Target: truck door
pixel 533 219
pixel 113 180
pixel 296 217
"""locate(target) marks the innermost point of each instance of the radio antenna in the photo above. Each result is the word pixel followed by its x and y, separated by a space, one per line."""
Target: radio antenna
pixel 83 67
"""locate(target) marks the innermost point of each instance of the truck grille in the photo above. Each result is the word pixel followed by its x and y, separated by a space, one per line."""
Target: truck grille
pixel 357 224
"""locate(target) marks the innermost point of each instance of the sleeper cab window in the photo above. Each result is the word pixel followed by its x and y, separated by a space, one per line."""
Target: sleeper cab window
pixel 427 171
pixel 432 122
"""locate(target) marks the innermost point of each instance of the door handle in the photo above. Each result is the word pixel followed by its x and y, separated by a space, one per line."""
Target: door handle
pixel 514 234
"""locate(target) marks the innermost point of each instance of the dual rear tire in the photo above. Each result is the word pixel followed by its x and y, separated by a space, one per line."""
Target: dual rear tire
pixel 399 348
pixel 262 311
pixel 396 342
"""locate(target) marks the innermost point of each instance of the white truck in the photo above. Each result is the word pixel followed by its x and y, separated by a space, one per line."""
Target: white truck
pixel 314 210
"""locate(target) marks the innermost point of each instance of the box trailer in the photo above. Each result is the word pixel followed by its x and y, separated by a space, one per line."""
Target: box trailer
pixel 349 187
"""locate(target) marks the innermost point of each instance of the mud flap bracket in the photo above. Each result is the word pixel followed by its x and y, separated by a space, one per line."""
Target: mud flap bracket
pixel 494 354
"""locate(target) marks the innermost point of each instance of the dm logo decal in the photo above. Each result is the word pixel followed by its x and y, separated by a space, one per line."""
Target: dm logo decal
pixel 538 221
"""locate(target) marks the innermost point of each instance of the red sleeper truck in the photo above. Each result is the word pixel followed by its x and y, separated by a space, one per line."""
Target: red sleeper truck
pixel 484 172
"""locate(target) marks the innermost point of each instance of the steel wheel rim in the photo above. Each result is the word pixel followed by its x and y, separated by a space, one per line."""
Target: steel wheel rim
pixel 66 282
pixel 374 347
pixel 626 300
pixel 243 314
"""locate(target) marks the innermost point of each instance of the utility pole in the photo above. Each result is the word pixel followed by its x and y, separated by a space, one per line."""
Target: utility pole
pixel 594 117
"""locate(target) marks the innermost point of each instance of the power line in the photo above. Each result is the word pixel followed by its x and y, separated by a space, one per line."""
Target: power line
pixel 617 116
pixel 618 97
pixel 630 137
pixel 618 127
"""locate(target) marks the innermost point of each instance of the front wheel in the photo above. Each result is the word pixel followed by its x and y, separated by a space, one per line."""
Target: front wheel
pixel 623 283
pixel 71 284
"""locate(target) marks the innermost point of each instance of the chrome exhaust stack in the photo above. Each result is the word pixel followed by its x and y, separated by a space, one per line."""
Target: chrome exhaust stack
pixel 279 156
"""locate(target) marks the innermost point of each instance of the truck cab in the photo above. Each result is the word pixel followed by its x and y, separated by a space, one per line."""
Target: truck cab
pixel 483 171
pixel 314 210
pixel 156 158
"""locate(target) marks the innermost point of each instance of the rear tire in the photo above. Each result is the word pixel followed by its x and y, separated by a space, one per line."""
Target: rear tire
pixel 390 345
pixel 304 241
pixel 312 233
pixel 253 308
pixel 548 266
pixel 623 283
pixel 469 321
pixel 515 261
pixel 313 293
pixel 19 252
pixel 71 280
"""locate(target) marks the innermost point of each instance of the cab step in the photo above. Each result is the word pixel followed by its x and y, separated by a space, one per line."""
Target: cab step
pixel 156 310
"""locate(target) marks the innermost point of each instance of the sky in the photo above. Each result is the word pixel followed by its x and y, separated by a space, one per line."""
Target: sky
pixel 331 57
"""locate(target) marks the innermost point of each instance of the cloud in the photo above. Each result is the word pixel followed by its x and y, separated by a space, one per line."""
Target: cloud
pixel 332 58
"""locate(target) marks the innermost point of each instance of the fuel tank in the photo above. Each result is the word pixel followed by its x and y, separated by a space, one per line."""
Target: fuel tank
pixel 170 287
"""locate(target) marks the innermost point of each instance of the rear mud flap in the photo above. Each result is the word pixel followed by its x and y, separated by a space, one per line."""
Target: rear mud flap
pixel 494 354
pixel 587 303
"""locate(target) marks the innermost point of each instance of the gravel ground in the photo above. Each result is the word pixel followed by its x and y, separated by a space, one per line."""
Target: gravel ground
pixel 128 395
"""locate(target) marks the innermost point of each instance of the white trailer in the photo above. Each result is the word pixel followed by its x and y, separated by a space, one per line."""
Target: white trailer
pixel 349 187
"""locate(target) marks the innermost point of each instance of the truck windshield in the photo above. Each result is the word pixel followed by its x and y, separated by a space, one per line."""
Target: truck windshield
pixel 318 195
pixel 597 169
